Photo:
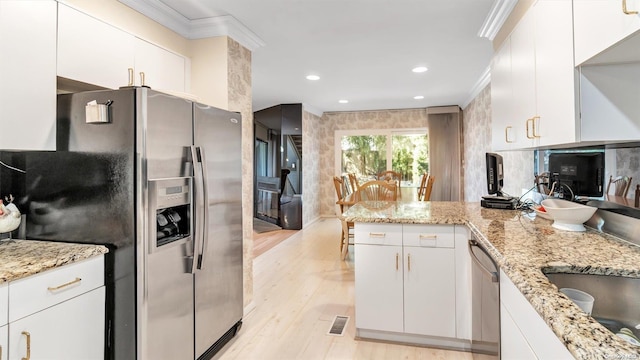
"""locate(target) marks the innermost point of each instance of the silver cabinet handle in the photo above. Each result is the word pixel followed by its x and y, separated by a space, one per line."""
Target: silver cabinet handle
pixel 624 9
pixel 493 274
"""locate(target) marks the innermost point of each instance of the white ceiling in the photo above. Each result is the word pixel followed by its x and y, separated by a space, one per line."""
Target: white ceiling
pixel 363 50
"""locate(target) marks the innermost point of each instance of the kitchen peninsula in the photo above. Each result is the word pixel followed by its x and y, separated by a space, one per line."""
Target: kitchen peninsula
pixel 523 246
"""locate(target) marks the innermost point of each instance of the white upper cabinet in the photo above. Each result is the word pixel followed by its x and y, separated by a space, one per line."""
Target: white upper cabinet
pixel 556 76
pixel 92 51
pixel 536 62
pixel 601 24
pixel 28 74
pixel 162 69
pixel 609 99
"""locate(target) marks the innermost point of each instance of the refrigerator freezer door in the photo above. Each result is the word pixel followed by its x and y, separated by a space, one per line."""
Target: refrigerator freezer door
pixel 169 134
pixel 218 281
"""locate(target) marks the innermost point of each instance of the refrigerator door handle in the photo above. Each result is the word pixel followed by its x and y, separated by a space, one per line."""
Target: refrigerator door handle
pixel 205 206
pixel 199 202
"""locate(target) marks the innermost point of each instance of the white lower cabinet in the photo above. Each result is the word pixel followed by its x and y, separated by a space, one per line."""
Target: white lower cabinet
pixel 405 281
pixel 57 314
pixel 523 333
pixel 429 291
pixel 4 342
pixel 71 330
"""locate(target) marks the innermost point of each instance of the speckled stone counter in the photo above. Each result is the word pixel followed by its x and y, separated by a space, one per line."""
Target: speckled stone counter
pixel 523 245
pixel 22 258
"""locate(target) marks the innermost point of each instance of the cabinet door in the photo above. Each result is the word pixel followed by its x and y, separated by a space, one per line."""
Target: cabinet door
pixel 72 330
pixel 513 345
pixel 502 132
pixel 523 75
pixel 556 76
pixel 92 51
pixel 600 24
pixel 378 283
pixel 163 70
pixel 534 330
pixel 4 342
pixel 609 100
pixel 4 304
pixel 28 74
pixel 430 291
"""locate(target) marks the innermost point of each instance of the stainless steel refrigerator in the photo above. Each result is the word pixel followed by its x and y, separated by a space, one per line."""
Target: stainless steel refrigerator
pixel 157 179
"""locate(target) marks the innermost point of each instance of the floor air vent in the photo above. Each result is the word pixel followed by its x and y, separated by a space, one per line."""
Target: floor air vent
pixel 338 326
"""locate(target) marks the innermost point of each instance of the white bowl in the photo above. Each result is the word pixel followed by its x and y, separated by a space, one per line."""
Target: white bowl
pixel 568 215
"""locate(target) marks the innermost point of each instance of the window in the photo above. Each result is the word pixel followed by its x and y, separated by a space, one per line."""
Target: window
pixel 369 152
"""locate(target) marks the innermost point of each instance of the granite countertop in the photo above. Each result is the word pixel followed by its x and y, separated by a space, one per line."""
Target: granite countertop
pixel 523 246
pixel 22 258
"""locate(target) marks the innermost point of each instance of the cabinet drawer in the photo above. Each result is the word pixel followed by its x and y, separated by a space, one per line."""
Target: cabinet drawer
pixel 4 304
pixel 46 289
pixel 378 234
pixel 441 236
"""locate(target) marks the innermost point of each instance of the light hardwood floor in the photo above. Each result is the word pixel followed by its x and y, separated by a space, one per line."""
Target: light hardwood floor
pixel 299 287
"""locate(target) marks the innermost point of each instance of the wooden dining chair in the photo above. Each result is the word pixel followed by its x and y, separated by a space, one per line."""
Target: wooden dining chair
pixel 347 227
pixel 422 186
pixel 353 180
pixel 392 177
pixel 428 187
pixel 377 190
pixel 621 183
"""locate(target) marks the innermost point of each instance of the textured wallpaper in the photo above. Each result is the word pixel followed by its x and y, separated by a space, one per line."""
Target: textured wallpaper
pixel 628 164
pixel 239 84
pixel 518 165
pixel 311 167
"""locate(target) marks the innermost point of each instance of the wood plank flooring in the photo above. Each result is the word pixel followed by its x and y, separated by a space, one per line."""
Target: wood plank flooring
pixel 262 242
pixel 299 286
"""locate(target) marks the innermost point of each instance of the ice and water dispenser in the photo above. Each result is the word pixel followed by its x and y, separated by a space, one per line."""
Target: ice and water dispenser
pixel 170 202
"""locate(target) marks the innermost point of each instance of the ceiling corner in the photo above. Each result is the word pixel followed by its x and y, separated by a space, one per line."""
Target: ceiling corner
pixel 498 14
pixel 482 82
pixel 161 13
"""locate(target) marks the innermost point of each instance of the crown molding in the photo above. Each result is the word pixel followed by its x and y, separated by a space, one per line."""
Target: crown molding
pixel 500 11
pixel 482 82
pixel 225 25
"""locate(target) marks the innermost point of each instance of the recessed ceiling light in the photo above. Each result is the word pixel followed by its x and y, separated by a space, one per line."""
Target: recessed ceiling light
pixel 313 77
pixel 418 97
pixel 343 101
pixel 419 69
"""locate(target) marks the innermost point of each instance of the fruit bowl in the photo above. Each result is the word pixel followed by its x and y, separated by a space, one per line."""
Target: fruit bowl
pixel 568 215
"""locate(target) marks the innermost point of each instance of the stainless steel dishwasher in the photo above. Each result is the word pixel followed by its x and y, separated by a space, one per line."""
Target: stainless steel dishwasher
pixel 485 293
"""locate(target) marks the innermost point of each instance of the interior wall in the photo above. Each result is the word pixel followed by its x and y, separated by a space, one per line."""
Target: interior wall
pixel 518 165
pixel 240 100
pixel 209 66
pixel 332 121
pixel 311 125
pixel 628 164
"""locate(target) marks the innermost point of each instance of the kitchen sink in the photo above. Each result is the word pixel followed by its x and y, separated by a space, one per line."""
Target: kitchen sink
pixel 617 298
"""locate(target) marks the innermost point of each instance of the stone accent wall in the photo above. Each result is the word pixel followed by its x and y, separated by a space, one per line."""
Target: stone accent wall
pixel 239 82
pixel 311 124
